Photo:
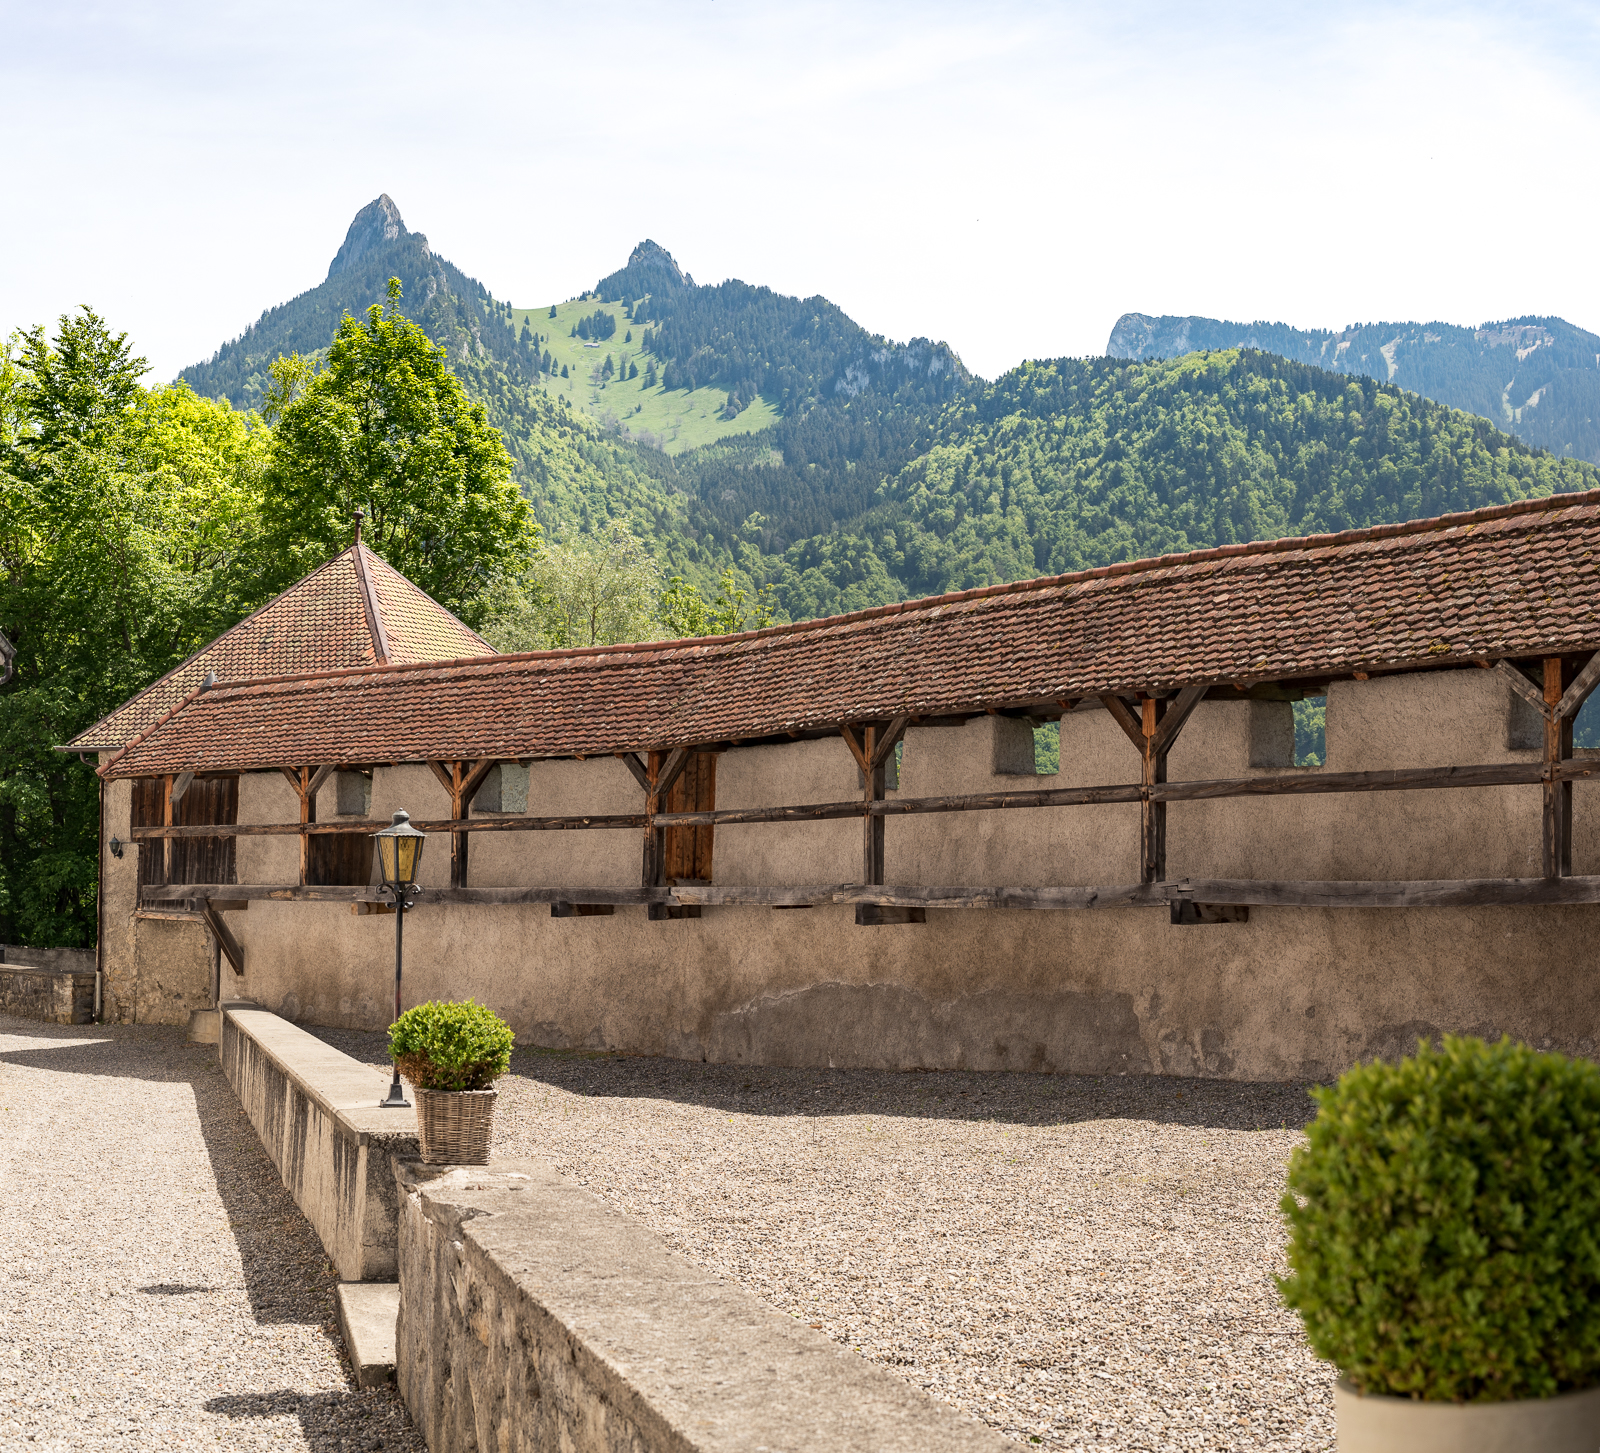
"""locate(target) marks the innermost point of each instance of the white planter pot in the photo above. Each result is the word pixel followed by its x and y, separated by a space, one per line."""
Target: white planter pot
pixel 1566 1424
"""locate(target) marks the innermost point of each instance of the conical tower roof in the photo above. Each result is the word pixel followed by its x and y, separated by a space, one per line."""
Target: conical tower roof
pixel 354 611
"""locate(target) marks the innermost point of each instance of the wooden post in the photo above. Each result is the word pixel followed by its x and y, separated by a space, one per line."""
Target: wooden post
pixel 1557 845
pixel 308 814
pixel 458 840
pixel 1152 814
pixel 167 848
pixel 872 791
pixel 654 837
pixel 872 755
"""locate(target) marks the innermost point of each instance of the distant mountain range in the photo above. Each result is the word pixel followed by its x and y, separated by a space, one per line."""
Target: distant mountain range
pixel 1537 378
pixel 734 427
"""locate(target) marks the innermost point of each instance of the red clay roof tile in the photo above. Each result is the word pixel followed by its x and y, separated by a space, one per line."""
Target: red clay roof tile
pixel 1516 580
pixel 319 623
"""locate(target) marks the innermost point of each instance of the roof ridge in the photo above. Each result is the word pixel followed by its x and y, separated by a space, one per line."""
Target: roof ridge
pixel 1285 545
pixel 405 580
pixel 369 602
pixel 154 727
pixel 193 657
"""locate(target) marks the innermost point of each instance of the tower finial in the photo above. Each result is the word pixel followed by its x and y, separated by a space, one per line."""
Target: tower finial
pixel 359 518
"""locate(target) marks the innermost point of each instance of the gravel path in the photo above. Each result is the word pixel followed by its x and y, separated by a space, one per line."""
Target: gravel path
pixel 161 1290
pixel 1082 1262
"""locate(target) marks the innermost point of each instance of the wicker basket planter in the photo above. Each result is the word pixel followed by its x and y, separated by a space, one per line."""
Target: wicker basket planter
pixel 455 1126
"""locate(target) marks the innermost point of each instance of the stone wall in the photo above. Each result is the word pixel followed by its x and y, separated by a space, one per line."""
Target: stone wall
pixel 534 1316
pixel 1292 993
pixel 316 1111
pixel 54 995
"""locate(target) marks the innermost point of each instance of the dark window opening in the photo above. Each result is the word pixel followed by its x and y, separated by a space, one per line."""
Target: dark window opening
pixel 186 859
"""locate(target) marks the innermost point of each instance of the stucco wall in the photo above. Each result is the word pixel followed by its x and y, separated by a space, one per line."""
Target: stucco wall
pixel 1291 993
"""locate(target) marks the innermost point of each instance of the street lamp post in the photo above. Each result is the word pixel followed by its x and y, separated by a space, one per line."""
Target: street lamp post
pixel 399 853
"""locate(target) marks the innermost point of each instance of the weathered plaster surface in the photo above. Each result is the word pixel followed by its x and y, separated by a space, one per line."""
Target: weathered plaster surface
pixel 1293 992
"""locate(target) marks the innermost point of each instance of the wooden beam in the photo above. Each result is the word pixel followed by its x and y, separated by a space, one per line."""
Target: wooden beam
pixel 320 776
pixel 1557 817
pixel 1286 784
pixel 1177 713
pixel 855 749
pixel 889 740
pixel 442 772
pixel 180 785
pixel 677 760
pixel 293 776
pixel 1523 687
pixel 474 780
pixel 634 765
pixel 1583 685
pixel 1339 893
pixel 1125 719
pixel 227 944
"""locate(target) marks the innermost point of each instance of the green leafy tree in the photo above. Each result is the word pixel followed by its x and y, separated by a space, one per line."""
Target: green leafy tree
pixel 597 591
pixel 129 536
pixel 685 612
pixel 386 427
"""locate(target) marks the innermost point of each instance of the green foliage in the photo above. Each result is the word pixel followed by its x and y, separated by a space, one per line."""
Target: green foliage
pixel 685 612
pixel 129 537
pixel 1444 1225
pixel 592 592
pixel 442 1045
pixel 1534 376
pixel 387 428
pixel 1310 731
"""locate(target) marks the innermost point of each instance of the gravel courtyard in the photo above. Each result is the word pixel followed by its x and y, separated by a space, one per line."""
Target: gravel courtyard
pixel 160 1289
pixel 1083 1263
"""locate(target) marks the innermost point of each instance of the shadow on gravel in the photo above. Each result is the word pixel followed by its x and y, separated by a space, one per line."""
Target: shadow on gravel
pixel 286 1272
pixel 1002 1095
pixel 329 1420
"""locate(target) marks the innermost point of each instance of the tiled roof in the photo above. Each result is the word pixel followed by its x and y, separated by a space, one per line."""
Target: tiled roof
pixel 320 623
pixel 1516 580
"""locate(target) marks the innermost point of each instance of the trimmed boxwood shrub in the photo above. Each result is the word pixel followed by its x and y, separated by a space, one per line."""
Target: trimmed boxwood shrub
pixel 451 1046
pixel 1444 1225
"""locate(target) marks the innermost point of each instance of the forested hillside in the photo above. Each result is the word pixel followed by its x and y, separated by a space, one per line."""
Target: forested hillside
pixel 1539 378
pixel 1073 463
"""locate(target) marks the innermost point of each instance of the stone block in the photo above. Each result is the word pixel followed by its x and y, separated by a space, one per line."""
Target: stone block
pixel 533 1315
pixel 367 1314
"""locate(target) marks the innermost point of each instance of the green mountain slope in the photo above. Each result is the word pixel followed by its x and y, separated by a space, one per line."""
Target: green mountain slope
pixel 1539 378
pixel 1074 463
pixel 731 425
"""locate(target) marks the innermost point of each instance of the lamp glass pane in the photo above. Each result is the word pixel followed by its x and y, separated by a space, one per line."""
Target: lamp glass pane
pixel 386 857
pixel 409 849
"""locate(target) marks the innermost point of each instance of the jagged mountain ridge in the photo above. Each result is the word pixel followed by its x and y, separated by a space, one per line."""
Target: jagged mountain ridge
pixel 1535 377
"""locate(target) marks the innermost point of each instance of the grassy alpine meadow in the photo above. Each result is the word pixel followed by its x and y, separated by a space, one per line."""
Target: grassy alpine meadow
pixel 674 422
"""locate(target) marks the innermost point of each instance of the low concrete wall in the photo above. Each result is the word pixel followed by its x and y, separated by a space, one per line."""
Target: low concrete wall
pixel 66 960
pixel 316 1111
pixel 55 995
pixel 535 1316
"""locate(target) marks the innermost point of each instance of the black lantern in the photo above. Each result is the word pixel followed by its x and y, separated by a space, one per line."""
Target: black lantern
pixel 399 856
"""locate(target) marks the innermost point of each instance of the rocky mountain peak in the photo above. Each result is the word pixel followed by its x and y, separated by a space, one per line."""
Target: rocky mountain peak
pixel 651 256
pixel 375 225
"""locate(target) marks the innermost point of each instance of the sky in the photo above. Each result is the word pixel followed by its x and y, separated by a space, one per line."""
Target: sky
pixel 1009 178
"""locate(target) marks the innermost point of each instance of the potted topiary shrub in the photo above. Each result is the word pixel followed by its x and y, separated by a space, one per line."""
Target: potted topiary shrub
pixel 1444 1250
pixel 452 1053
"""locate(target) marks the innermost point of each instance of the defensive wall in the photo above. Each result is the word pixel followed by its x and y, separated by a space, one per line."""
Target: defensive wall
pixel 1291 993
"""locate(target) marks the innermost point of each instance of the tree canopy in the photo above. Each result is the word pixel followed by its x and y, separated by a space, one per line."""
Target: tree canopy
pixel 386 427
